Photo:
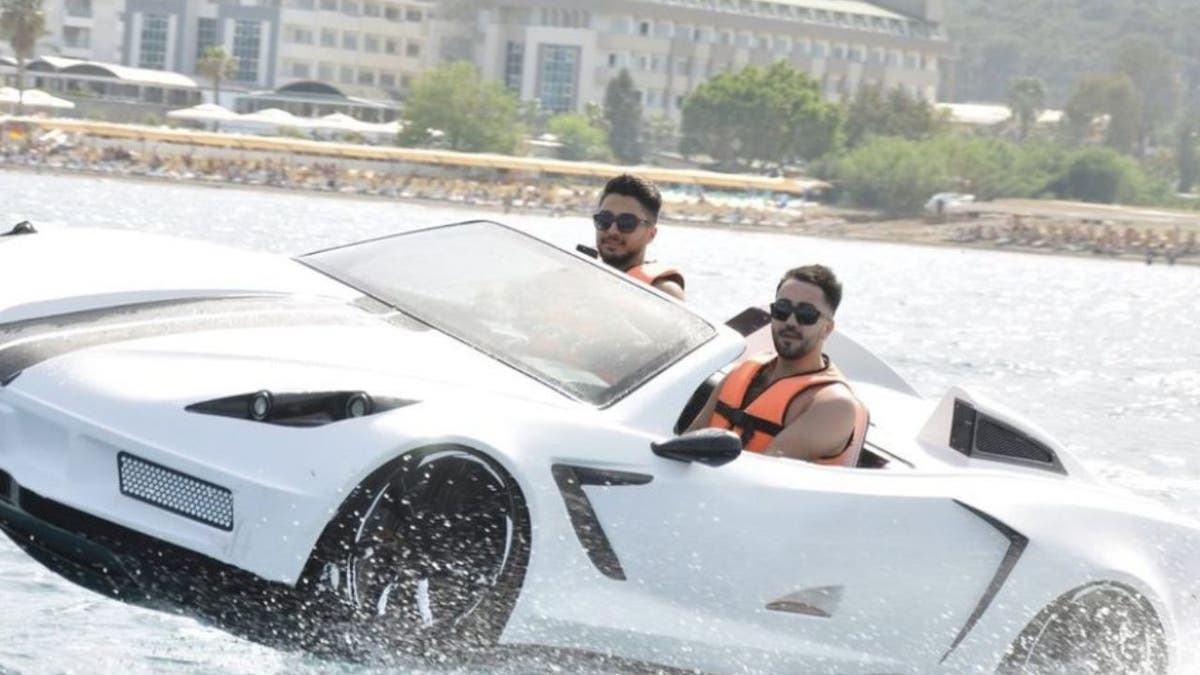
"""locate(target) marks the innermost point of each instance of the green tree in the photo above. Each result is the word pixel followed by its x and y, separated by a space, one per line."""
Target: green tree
pixel 216 65
pixel 1027 100
pixel 773 115
pixel 472 115
pixel 1099 175
pixel 1187 163
pixel 580 139
pixel 890 173
pixel 22 22
pixel 1108 98
pixel 1152 71
pixel 660 134
pixel 873 113
pixel 623 110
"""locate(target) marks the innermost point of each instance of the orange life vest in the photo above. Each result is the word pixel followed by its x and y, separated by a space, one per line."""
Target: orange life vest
pixel 760 420
pixel 652 272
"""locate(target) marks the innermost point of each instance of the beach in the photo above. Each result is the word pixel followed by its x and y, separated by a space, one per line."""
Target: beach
pixel 1042 227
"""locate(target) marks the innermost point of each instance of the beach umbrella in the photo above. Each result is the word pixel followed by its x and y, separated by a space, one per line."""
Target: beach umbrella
pixel 340 122
pixel 34 98
pixel 275 117
pixel 205 112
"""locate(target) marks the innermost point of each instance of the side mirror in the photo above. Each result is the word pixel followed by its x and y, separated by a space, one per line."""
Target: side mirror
pixel 713 447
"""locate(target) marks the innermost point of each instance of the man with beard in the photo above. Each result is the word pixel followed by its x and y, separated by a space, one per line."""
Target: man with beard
pixel 794 403
pixel 626 222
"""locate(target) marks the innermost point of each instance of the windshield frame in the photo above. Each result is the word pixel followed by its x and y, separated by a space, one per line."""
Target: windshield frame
pixel 620 389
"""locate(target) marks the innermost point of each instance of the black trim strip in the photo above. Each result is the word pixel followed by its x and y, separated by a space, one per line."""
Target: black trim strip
pixel 1016 546
pixel 570 480
pixel 27 343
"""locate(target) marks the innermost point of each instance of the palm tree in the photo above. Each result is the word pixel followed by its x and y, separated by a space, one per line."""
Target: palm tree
pixel 1027 99
pixel 216 65
pixel 22 22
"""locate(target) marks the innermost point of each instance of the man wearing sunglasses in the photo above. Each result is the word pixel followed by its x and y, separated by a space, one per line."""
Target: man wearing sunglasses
pixel 794 403
pixel 626 223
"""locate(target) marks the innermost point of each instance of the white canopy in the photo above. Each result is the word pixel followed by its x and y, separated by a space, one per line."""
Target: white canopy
pixel 275 117
pixel 205 112
pixel 33 98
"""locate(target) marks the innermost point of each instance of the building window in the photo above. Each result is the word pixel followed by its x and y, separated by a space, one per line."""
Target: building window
pixel 371 9
pixel 391 13
pixel 207 35
pixel 387 80
pixel 301 36
pixel 301 70
pixel 366 77
pixel 329 5
pixel 328 37
pixel 79 8
pixel 350 7
pixel 644 28
pixel 247 39
pixel 412 49
pixel 371 44
pixel 558 73
pixel 77 38
pixel 413 15
pixel 391 46
pixel 346 75
pixel 154 42
pixel 514 65
pixel 350 40
pixel 325 71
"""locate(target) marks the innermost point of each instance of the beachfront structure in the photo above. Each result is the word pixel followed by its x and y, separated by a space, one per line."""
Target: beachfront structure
pixel 563 54
pixel 107 90
pixel 368 50
pixel 365 53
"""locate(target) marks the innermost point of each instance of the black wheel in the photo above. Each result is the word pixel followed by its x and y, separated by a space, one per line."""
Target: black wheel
pixel 1097 629
pixel 427 555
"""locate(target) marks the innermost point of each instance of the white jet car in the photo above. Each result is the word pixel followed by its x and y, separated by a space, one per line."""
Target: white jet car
pixel 464 438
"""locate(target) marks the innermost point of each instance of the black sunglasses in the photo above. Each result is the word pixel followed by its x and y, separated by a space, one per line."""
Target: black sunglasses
pixel 625 222
pixel 806 314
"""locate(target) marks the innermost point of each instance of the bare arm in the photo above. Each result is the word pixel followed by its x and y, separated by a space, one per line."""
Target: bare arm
pixel 818 429
pixel 671 288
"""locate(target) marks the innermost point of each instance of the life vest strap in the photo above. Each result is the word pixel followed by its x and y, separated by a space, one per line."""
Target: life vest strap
pixel 748 423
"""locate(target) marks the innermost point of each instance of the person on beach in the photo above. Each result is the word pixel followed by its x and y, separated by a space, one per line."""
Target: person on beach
pixel 793 403
pixel 626 222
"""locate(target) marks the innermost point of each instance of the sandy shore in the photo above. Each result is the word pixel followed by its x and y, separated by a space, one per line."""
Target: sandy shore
pixel 818 221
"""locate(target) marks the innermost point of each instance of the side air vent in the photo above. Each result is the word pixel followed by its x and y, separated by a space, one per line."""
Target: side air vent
pixel 975 434
pixel 175 491
pixel 309 409
pixel 5 487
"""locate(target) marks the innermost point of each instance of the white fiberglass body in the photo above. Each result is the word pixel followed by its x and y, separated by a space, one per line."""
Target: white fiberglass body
pixel 133 370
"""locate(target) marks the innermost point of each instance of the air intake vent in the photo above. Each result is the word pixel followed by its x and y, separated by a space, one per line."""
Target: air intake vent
pixel 997 440
pixel 975 434
pixel 175 491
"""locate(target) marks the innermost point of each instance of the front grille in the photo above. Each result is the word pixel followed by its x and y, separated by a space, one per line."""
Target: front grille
pixel 175 491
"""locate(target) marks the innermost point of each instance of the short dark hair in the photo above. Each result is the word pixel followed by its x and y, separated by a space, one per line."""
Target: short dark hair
pixel 820 276
pixel 641 189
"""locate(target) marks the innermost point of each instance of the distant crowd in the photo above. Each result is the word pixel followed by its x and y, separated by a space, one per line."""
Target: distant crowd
pixel 1100 238
pixel 554 196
